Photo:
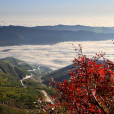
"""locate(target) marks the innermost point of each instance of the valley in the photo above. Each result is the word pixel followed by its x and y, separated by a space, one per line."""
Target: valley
pixel 19 88
pixel 56 56
pixel 32 57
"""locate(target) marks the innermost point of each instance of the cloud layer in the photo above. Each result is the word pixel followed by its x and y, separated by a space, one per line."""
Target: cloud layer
pixel 58 55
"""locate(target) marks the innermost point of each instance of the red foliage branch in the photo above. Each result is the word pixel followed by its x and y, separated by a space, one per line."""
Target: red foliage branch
pixel 90 88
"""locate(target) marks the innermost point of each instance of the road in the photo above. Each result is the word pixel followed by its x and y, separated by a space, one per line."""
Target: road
pixel 26 77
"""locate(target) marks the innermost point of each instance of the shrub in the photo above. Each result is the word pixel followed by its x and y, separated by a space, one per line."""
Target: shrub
pixel 90 88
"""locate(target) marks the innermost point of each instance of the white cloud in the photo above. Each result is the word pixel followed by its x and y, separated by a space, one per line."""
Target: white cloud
pixel 58 55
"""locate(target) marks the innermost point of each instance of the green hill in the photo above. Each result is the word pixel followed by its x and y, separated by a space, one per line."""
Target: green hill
pixel 36 70
pixel 18 63
pixel 11 75
pixel 12 93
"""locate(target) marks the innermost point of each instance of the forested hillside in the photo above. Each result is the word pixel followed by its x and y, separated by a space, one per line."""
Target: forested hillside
pixel 12 93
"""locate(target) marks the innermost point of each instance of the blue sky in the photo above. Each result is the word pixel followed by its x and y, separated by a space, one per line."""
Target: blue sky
pixel 51 12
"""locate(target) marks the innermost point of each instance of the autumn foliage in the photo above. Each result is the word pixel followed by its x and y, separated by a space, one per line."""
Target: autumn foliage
pixel 90 88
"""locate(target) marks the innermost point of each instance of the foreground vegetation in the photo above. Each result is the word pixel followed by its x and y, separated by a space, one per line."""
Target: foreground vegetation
pixel 89 90
pixel 39 86
pixel 12 94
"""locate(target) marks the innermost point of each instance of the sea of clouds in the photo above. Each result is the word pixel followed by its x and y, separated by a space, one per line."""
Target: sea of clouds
pixel 58 55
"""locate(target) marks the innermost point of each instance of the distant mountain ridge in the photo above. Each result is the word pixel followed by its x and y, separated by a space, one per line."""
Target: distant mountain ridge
pixel 41 35
pixel 79 28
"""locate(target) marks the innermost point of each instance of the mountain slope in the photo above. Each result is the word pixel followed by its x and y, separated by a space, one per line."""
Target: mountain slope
pixel 10 75
pixel 18 63
pixel 58 75
pixel 12 92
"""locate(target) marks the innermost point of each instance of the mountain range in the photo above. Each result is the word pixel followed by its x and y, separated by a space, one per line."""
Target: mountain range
pixel 78 28
pixel 19 35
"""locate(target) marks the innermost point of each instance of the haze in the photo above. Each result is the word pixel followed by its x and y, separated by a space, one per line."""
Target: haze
pixel 53 12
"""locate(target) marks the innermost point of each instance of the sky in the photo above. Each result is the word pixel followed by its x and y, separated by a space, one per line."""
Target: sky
pixel 53 12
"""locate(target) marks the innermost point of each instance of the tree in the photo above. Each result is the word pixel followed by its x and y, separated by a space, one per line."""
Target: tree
pixel 90 88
